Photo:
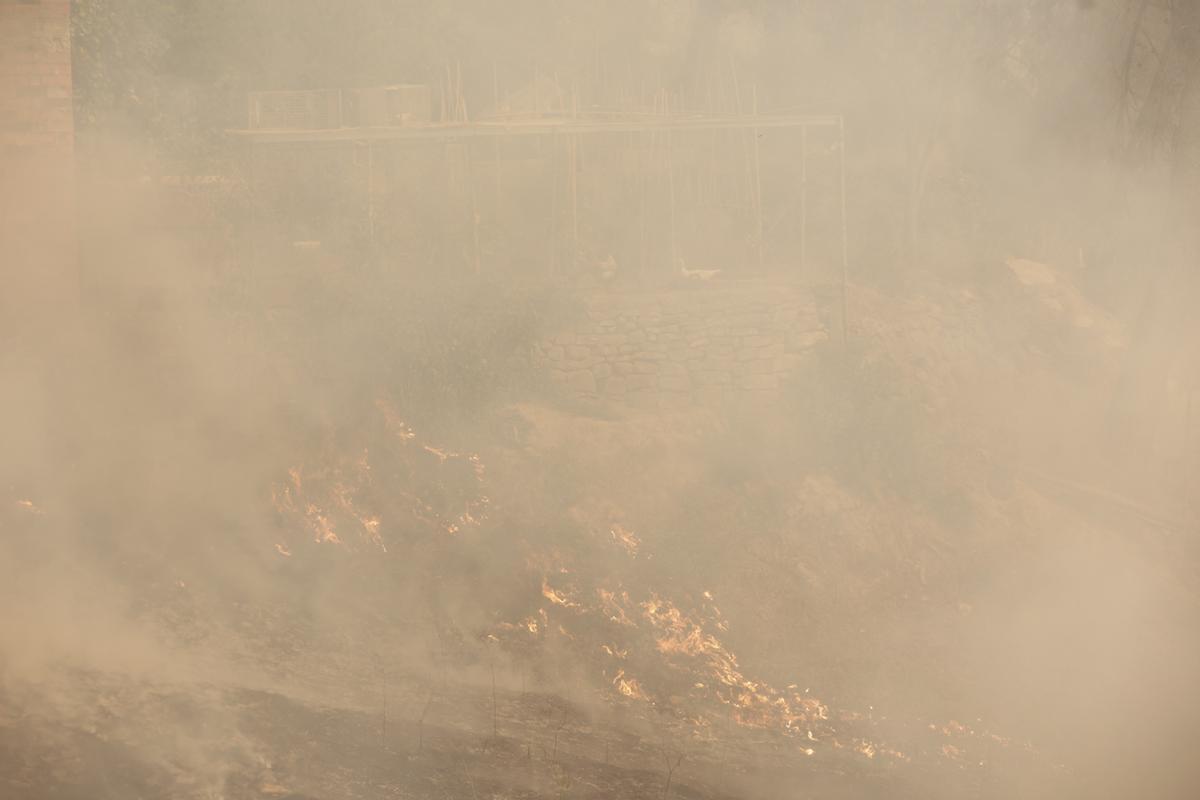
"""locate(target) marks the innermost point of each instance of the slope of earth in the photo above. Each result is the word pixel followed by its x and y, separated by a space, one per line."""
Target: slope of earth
pixel 902 581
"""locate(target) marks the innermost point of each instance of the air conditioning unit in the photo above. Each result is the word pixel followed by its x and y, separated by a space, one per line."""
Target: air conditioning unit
pixel 295 110
pixel 387 106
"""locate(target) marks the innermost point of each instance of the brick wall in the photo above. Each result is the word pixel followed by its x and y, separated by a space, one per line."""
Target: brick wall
pixel 36 150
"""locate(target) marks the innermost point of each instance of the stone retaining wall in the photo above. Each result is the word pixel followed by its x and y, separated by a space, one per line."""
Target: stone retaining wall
pixel 707 344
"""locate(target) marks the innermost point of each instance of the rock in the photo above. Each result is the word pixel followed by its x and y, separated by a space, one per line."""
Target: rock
pixel 602 370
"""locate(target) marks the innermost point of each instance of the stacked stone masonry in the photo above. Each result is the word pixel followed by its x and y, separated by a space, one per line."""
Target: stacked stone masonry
pixel 706 345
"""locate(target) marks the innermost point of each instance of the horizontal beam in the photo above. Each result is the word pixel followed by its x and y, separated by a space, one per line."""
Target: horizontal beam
pixel 534 127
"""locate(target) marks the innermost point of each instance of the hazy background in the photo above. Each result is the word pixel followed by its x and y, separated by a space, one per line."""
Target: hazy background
pixel 979 509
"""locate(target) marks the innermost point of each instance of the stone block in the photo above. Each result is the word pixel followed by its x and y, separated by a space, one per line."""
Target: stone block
pixel 642 399
pixel 614 386
pixel 710 395
pixel 581 381
pixel 710 377
pixel 578 352
pixel 555 353
pixel 788 362
pixel 750 354
pixel 720 363
pixel 674 399
pixel 744 319
pixel 622 367
pixel 805 340
pixel 645 367
pixel 758 366
pixel 758 382
pixel 602 370
pixel 640 380
pixel 674 383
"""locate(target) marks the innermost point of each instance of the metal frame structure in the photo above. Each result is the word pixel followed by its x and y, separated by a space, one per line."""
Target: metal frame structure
pixel 571 127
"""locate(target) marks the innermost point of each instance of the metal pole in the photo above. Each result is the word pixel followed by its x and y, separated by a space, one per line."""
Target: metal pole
pixel 845 248
pixel 671 192
pixel 574 184
pixel 758 210
pixel 553 238
pixel 474 204
pixel 803 200
pixel 644 162
pixel 371 194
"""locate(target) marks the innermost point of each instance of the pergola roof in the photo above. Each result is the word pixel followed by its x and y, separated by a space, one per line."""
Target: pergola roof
pixel 537 126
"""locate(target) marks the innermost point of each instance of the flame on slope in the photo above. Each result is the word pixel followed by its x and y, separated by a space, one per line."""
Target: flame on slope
pixel 688 644
pixel 28 505
pixel 625 538
pixel 629 687
pixel 330 498
pixel 685 640
pixel 614 607
pixel 754 704
pixel 557 597
pixel 392 421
